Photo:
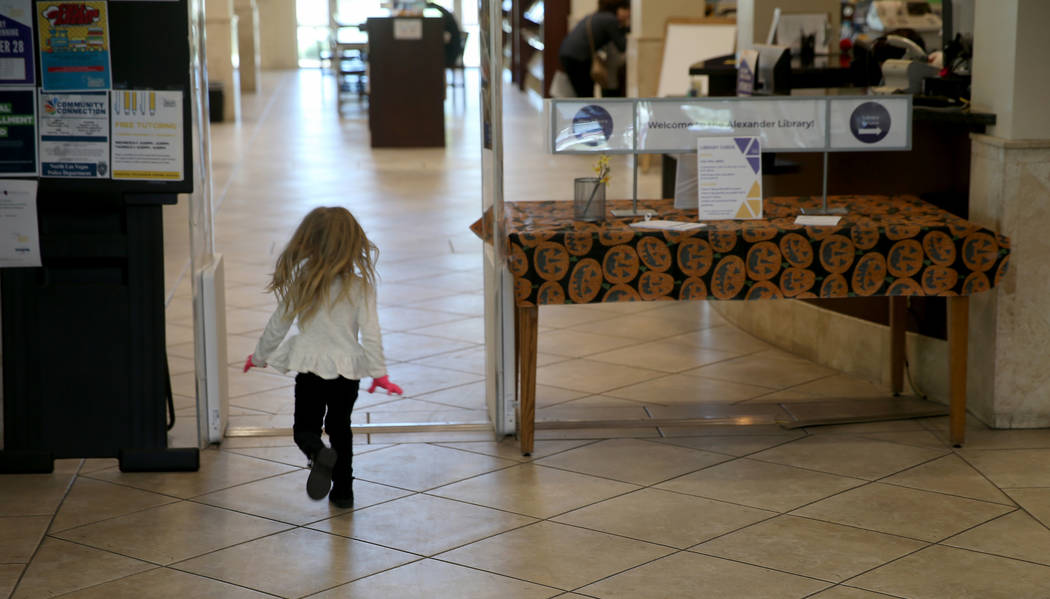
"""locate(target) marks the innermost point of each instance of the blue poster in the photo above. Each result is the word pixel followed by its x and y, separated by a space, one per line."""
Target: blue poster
pixel 17 132
pixel 16 43
pixel 74 45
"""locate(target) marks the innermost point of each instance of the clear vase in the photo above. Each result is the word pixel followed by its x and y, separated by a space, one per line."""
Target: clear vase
pixel 588 202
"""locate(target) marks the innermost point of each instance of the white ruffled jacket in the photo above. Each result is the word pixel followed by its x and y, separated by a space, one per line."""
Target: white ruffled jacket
pixel 338 340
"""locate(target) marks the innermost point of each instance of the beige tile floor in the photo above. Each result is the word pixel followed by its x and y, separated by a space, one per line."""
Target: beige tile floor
pixel 861 511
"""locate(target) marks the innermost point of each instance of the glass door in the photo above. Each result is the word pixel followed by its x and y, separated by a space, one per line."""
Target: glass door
pixel 499 306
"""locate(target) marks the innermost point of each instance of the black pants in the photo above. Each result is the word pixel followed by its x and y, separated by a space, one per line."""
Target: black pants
pixel 579 75
pixel 318 401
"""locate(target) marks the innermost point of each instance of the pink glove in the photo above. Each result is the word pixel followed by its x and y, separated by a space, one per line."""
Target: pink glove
pixel 384 382
pixel 249 362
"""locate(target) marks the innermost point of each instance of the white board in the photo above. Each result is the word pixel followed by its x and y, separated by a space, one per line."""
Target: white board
pixel 687 43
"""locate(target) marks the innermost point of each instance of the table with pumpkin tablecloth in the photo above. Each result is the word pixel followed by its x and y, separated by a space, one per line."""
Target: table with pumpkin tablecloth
pixel 883 246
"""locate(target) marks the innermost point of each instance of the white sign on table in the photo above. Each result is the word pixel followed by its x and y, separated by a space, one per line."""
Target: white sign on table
pixel 729 171
pixel 588 126
pixel 782 125
pixel 870 123
pixel 19 236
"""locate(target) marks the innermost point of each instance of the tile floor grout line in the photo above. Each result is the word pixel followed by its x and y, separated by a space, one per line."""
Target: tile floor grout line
pixel 477 569
pixel 161 567
pixel 883 480
pixel 853 476
pixel 353 580
pixel 615 534
pixel 51 521
pixel 902 486
pixel 853 526
pixel 111 518
pixel 523 459
pixel 353 510
pixel 764 567
pixel 942 544
pixel 626 570
pixel 815 594
pixel 892 561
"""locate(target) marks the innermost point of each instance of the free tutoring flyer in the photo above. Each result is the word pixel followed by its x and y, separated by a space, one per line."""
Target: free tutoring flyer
pixel 74 45
pixel 16 43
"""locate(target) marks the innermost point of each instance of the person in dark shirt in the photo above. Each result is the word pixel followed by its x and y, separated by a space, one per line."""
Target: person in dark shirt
pixel 452 34
pixel 608 24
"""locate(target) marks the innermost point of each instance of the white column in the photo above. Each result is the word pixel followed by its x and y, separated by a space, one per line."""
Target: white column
pixel 1009 382
pixel 248 43
pixel 220 25
pixel 278 47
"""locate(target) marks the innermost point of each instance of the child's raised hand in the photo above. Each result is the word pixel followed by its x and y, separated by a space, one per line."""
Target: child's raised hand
pixel 384 382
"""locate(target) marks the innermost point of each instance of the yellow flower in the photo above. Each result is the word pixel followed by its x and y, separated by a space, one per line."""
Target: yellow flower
pixel 602 168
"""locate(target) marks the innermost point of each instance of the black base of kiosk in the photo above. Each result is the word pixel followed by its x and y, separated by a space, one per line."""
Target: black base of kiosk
pixel 84 373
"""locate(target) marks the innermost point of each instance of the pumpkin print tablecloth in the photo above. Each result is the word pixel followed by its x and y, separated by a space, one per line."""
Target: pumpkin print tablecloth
pixel 883 246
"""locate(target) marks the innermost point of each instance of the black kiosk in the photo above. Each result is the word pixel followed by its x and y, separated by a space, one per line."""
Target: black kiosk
pixel 84 365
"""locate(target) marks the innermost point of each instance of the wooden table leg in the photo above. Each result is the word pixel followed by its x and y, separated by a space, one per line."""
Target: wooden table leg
pixel 527 332
pixel 958 333
pixel 898 327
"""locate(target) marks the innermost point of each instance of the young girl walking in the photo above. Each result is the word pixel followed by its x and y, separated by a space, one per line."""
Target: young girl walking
pixel 325 282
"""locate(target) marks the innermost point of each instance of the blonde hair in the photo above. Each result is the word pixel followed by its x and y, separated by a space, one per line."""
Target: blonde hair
pixel 329 246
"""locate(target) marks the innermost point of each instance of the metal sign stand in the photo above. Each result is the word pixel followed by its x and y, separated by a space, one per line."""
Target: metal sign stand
pixel 634 211
pixel 824 210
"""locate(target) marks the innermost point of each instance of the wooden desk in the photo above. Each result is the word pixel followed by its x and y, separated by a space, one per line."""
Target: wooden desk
pixel 406 106
pixel 885 246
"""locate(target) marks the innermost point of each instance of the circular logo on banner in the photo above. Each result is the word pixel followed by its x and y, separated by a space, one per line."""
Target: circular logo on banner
pixel 592 125
pixel 870 122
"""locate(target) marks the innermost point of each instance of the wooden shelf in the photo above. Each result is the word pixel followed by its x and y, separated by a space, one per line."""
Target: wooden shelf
pixel 533 42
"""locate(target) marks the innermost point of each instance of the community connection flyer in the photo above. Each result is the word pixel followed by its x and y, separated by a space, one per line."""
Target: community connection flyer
pixel 74 45
pixel 16 43
pixel 18 132
pixel 147 135
pixel 74 135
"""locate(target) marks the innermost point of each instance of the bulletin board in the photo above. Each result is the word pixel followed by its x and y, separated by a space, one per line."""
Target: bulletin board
pixel 688 41
pixel 148 53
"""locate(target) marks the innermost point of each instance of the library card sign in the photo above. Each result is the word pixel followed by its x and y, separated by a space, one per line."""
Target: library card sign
pixel 16 43
pixel 729 171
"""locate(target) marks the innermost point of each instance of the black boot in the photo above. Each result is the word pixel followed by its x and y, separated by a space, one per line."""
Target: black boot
pixel 342 497
pixel 320 480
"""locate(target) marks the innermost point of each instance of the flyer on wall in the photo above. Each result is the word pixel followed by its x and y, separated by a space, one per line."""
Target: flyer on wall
pixel 147 135
pixel 18 132
pixel 74 45
pixel 19 235
pixel 729 173
pixel 16 43
pixel 74 135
